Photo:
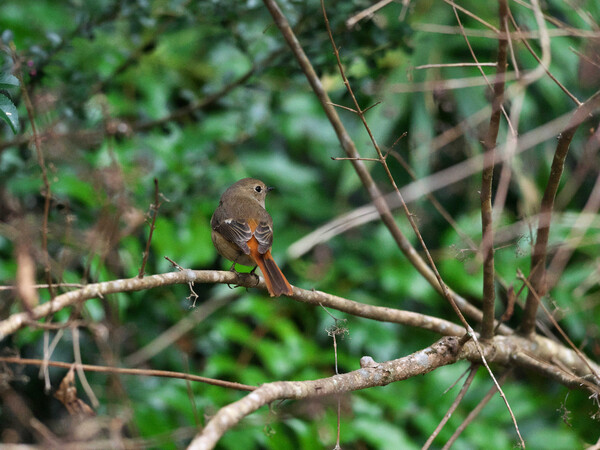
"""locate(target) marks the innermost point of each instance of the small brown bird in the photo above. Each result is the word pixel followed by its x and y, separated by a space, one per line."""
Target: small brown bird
pixel 242 232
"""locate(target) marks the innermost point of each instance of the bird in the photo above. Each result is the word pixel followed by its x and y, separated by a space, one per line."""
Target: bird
pixel 242 232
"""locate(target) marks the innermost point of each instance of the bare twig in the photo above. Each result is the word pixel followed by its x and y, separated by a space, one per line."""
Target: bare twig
pixel 584 166
pixel 489 34
pixel 566 29
pixel 333 332
pixel 368 12
pixel 500 391
pixel 544 61
pixel 78 363
pixel 125 371
pixel 472 16
pixel 154 207
pixel 47 193
pixel 446 84
pixel 455 403
pixel 473 414
pixel 463 64
pixel 44 286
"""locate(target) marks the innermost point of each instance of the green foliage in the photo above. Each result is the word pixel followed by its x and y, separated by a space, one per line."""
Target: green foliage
pixel 126 92
pixel 8 111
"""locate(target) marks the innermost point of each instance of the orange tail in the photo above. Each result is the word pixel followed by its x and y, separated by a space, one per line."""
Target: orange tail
pixel 276 282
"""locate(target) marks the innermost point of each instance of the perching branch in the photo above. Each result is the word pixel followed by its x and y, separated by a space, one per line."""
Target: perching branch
pixel 544 349
pixel 186 276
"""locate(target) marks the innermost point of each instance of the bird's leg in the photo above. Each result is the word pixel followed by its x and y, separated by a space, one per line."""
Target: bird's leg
pixel 232 269
pixel 240 275
pixel 253 273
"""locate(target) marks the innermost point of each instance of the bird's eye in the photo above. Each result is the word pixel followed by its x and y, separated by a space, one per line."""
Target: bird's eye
pixel 258 188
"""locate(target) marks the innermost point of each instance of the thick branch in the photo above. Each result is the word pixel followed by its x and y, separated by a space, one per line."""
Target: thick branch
pixel 442 353
pixel 500 349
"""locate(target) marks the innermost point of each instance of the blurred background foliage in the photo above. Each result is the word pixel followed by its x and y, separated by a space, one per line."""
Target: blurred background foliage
pixel 201 94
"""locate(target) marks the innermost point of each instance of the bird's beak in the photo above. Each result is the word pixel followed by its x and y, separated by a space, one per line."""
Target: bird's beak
pixel 270 188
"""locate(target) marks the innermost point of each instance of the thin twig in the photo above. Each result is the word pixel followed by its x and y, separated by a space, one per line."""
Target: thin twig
pixel 340 158
pixel 463 64
pixel 502 395
pixel 78 363
pixel 511 49
pixel 453 406
pixel 447 84
pixel 154 207
pixel 190 393
pixel 47 193
pixel 473 16
pixel 48 350
pixel 566 29
pixel 473 414
pixel 587 163
pixel 125 371
pixel 540 61
pixel 44 286
pixel 368 12
pixel 337 442
pixel 488 34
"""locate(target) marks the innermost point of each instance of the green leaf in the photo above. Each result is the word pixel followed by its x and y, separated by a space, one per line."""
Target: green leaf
pixel 8 81
pixel 9 113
